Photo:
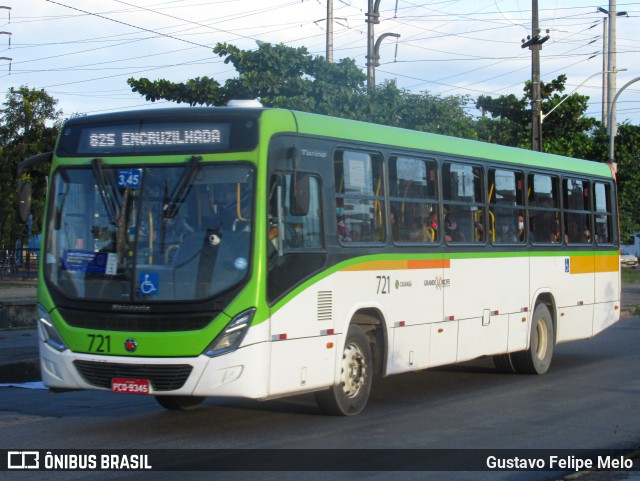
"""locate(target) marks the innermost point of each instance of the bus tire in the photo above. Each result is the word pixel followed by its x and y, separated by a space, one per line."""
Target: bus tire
pixel 179 403
pixel 537 359
pixel 504 363
pixel 351 394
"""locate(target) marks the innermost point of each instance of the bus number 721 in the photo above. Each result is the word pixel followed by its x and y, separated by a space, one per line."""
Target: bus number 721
pixel 384 285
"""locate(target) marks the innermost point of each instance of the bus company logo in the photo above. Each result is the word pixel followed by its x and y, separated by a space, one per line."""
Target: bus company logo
pixel 131 345
pixel 314 153
pixel 23 460
pixel 132 308
pixel 439 282
pixel 400 284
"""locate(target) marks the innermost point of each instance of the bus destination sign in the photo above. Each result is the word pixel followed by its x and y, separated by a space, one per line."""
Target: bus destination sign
pixel 153 138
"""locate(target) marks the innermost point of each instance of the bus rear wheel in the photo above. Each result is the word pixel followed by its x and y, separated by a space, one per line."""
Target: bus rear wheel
pixel 350 395
pixel 537 359
pixel 179 403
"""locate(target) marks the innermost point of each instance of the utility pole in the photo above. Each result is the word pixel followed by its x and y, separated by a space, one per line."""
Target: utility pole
pixel 373 47
pixel 534 42
pixel 611 82
pixel 9 59
pixel 329 31
pixel 612 126
pixel 605 74
pixel 372 18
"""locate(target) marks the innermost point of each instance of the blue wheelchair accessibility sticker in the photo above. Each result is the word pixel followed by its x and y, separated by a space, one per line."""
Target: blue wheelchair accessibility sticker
pixel 148 284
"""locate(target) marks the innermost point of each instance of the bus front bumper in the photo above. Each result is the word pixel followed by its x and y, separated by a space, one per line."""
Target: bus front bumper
pixel 233 374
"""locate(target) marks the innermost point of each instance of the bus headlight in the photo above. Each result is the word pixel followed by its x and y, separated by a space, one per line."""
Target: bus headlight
pixel 48 330
pixel 232 335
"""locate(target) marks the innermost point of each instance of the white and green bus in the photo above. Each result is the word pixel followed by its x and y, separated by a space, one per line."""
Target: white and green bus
pixel 261 253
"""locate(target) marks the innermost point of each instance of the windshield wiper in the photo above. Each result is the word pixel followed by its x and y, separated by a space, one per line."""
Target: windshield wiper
pixel 108 191
pixel 181 190
pixel 172 203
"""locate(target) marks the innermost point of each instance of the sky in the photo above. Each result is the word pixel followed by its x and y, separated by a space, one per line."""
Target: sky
pixel 83 51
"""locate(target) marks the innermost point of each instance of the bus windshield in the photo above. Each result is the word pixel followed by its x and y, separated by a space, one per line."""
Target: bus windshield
pixel 153 233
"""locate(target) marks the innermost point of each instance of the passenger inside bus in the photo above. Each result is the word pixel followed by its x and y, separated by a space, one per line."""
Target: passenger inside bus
pixel 451 232
pixel 521 231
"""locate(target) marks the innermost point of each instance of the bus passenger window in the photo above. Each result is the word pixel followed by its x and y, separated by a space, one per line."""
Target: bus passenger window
pixel 412 189
pixel 506 206
pixel 544 209
pixel 603 214
pixel 577 207
pixel 359 197
pixel 463 193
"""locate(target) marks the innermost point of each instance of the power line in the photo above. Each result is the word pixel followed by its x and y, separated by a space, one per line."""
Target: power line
pixel 131 25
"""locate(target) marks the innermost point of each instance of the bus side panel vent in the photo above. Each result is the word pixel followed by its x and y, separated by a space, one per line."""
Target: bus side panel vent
pixel 325 305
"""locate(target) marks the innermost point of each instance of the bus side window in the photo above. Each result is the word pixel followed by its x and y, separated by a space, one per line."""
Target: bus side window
pixel 359 197
pixel 577 210
pixel 304 231
pixel 506 206
pixel 413 197
pixel 603 213
pixel 273 243
pixel 544 209
pixel 464 204
pixel 287 231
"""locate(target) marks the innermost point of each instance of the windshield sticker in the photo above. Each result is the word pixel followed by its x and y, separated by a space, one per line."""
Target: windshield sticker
pixel 88 261
pixel 148 284
pixel 131 178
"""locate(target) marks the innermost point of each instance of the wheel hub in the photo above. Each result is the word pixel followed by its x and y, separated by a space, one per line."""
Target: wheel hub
pixel 354 370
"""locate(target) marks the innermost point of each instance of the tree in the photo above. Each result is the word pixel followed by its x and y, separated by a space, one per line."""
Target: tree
pixel 29 125
pixel 278 75
pixel 566 131
pixel 287 77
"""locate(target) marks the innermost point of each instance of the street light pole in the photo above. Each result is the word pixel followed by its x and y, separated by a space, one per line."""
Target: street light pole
pixel 544 116
pixel 373 46
pixel 612 130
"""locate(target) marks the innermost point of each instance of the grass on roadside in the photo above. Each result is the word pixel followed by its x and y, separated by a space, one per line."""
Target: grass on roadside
pixel 630 276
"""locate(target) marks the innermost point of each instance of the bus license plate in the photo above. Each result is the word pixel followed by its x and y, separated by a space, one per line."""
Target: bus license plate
pixel 131 386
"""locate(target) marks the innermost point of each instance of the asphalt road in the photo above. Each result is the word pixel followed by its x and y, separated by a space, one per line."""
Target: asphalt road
pixel 589 399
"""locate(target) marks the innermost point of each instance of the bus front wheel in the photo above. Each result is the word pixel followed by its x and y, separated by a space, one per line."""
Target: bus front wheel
pixel 350 395
pixel 537 359
pixel 179 403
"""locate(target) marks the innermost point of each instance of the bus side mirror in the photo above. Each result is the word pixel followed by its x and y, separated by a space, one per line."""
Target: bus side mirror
pixel 299 201
pixel 24 202
pixel 24 187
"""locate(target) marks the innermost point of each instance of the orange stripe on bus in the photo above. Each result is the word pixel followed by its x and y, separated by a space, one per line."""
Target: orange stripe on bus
pixel 400 265
pixel 607 263
pixel 430 264
pixel 582 265
pixel 378 265
pixel 591 264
